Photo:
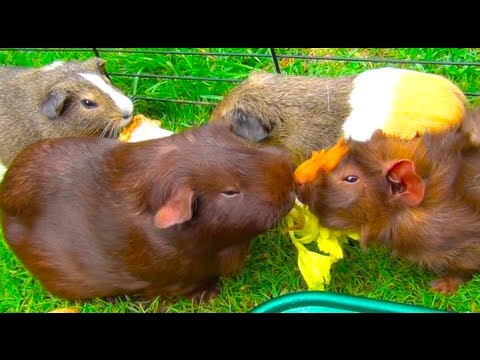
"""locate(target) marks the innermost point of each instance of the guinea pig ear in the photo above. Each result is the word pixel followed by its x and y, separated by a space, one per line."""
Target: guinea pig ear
pixel 176 210
pixel 53 106
pixel 97 64
pixel 248 126
pixel 405 182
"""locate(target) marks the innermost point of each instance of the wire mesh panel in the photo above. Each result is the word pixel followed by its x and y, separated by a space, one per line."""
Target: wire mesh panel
pixel 163 82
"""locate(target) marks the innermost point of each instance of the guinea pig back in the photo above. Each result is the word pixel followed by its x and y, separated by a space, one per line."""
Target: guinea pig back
pixel 93 217
pixel 298 113
pixel 419 197
pixel 307 113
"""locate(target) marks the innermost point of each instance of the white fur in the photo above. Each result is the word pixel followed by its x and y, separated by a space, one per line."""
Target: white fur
pixel 148 131
pixel 53 65
pixel 122 101
pixel 3 170
pixel 124 122
pixel 371 101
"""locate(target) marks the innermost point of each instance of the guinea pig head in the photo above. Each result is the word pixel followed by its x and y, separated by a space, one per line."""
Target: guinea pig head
pixel 81 99
pixel 357 183
pixel 223 188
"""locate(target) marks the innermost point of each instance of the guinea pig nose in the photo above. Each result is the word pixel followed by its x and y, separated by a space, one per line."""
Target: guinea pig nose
pixel 300 190
pixel 126 115
pixel 299 184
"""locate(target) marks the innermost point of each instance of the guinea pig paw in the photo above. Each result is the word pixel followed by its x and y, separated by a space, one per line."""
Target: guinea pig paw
pixel 205 293
pixel 447 285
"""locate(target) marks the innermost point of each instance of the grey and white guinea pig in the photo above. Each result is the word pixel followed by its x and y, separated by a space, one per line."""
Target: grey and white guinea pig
pixel 308 113
pixel 94 217
pixel 64 98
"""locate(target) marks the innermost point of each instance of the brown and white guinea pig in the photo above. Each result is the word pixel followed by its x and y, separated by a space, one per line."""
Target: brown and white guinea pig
pixel 95 217
pixel 71 98
pixel 308 113
pixel 420 198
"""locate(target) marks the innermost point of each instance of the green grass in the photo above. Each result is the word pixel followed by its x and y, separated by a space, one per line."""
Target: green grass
pixel 271 268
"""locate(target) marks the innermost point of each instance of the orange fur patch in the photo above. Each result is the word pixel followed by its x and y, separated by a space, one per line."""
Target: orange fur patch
pixel 324 160
pixel 130 128
pixel 424 103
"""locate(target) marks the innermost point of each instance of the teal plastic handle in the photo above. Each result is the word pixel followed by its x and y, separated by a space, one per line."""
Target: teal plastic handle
pixel 329 302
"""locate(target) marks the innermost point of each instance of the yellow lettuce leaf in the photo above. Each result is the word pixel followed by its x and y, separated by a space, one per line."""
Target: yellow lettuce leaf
pixel 304 228
pixel 315 268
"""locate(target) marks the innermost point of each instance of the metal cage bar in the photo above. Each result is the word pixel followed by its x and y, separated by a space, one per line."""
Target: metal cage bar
pixel 271 54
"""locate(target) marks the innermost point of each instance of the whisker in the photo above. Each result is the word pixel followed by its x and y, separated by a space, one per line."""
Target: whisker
pixel 103 131
pixel 117 133
pixel 106 130
pixel 112 130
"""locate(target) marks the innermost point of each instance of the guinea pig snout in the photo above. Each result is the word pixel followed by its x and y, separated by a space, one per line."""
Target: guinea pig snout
pixel 127 115
pixel 302 191
pixel 126 118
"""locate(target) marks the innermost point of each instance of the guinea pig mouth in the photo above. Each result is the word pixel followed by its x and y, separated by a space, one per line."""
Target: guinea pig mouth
pixel 302 192
pixel 124 122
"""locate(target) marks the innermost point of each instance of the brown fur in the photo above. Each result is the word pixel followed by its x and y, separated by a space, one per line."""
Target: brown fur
pixel 471 126
pixel 442 233
pixel 80 213
pixel 40 103
pixel 299 113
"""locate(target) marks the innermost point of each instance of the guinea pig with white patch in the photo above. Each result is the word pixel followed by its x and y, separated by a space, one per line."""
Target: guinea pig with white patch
pixel 71 98
pixel 307 113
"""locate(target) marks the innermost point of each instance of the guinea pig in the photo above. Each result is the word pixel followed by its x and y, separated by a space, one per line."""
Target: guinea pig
pixel 71 98
pixel 308 113
pixel 420 198
pixel 96 217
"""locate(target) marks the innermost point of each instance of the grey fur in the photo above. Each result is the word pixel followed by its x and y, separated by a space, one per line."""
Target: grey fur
pixel 300 113
pixel 44 102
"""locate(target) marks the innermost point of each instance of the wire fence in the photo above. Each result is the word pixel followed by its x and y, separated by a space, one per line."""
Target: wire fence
pixel 269 53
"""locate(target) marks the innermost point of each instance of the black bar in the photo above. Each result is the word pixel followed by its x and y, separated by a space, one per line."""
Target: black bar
pixel 379 60
pixel 305 57
pixel 47 49
pixel 97 54
pixel 173 100
pixel 175 77
pixel 205 103
pixel 275 60
pixel 190 53
pixel 197 78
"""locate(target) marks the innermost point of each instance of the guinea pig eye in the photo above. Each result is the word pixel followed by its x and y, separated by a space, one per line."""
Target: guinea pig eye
pixel 230 193
pixel 88 103
pixel 351 179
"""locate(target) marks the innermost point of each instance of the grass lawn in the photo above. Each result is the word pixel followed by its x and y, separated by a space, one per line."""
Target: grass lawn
pixel 271 269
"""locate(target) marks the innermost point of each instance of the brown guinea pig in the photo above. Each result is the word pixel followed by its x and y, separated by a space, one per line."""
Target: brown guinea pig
pixel 420 198
pixel 95 217
pixel 65 98
pixel 307 113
